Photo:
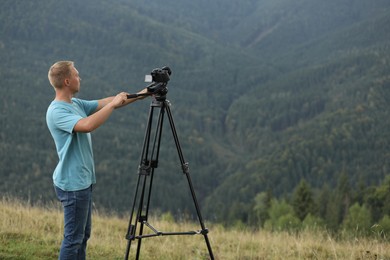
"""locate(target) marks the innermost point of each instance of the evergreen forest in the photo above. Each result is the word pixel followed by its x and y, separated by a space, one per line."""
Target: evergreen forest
pixel 281 107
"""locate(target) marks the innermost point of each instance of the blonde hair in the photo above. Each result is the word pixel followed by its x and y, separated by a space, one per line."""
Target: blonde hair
pixel 58 72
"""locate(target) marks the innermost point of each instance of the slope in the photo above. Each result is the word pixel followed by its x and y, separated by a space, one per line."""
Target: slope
pixel 113 46
pixel 317 122
pixel 264 93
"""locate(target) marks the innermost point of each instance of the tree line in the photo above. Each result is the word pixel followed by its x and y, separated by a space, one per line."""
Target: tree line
pixel 356 212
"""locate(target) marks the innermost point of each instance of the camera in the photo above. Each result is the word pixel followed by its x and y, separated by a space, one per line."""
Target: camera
pixel 159 78
pixel 161 75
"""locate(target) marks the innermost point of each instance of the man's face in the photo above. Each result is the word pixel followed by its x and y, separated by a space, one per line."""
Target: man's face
pixel 74 80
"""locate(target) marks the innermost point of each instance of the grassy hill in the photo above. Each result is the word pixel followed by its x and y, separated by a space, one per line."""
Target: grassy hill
pixel 35 233
pixel 264 94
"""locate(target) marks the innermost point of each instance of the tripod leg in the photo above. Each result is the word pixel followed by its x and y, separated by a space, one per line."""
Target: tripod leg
pixel 141 217
pixel 142 174
pixel 152 164
pixel 187 173
pixel 146 169
pixel 132 229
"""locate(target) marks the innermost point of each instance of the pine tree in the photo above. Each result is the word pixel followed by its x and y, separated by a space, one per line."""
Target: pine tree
pixel 303 202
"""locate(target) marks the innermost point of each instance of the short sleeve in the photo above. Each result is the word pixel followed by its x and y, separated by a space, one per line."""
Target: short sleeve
pixel 89 106
pixel 64 119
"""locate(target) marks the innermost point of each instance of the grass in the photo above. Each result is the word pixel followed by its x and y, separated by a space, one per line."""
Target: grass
pixel 35 233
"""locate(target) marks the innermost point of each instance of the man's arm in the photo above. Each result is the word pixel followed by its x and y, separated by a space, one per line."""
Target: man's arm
pixel 103 111
pixel 90 123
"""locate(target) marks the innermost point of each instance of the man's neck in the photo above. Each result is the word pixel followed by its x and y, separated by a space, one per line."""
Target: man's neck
pixel 65 97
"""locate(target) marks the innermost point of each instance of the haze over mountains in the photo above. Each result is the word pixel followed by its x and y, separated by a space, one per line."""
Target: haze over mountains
pixel 264 93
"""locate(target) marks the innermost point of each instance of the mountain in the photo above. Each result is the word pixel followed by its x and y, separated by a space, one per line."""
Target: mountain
pixel 264 94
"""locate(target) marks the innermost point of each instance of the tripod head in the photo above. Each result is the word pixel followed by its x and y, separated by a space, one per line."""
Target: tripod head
pixel 159 90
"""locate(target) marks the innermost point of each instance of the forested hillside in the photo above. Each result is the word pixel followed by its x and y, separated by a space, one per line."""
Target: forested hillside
pixel 264 94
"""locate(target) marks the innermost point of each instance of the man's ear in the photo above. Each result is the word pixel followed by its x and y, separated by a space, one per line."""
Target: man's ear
pixel 66 81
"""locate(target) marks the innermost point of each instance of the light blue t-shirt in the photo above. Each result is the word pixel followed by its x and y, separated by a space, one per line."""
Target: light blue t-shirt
pixel 75 169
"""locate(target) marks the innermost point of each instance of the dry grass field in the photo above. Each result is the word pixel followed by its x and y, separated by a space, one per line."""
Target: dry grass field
pixel 35 233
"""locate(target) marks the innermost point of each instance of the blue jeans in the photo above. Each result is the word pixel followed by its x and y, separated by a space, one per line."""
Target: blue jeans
pixel 77 222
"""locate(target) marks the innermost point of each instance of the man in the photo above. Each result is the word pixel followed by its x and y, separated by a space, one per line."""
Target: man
pixel 70 121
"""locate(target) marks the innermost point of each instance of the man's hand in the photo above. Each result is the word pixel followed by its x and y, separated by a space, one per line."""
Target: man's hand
pixel 119 100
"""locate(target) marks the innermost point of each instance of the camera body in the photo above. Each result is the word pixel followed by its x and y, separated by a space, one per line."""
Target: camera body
pixel 161 75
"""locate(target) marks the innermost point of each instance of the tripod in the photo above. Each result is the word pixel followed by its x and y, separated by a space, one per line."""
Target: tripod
pixel 148 163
